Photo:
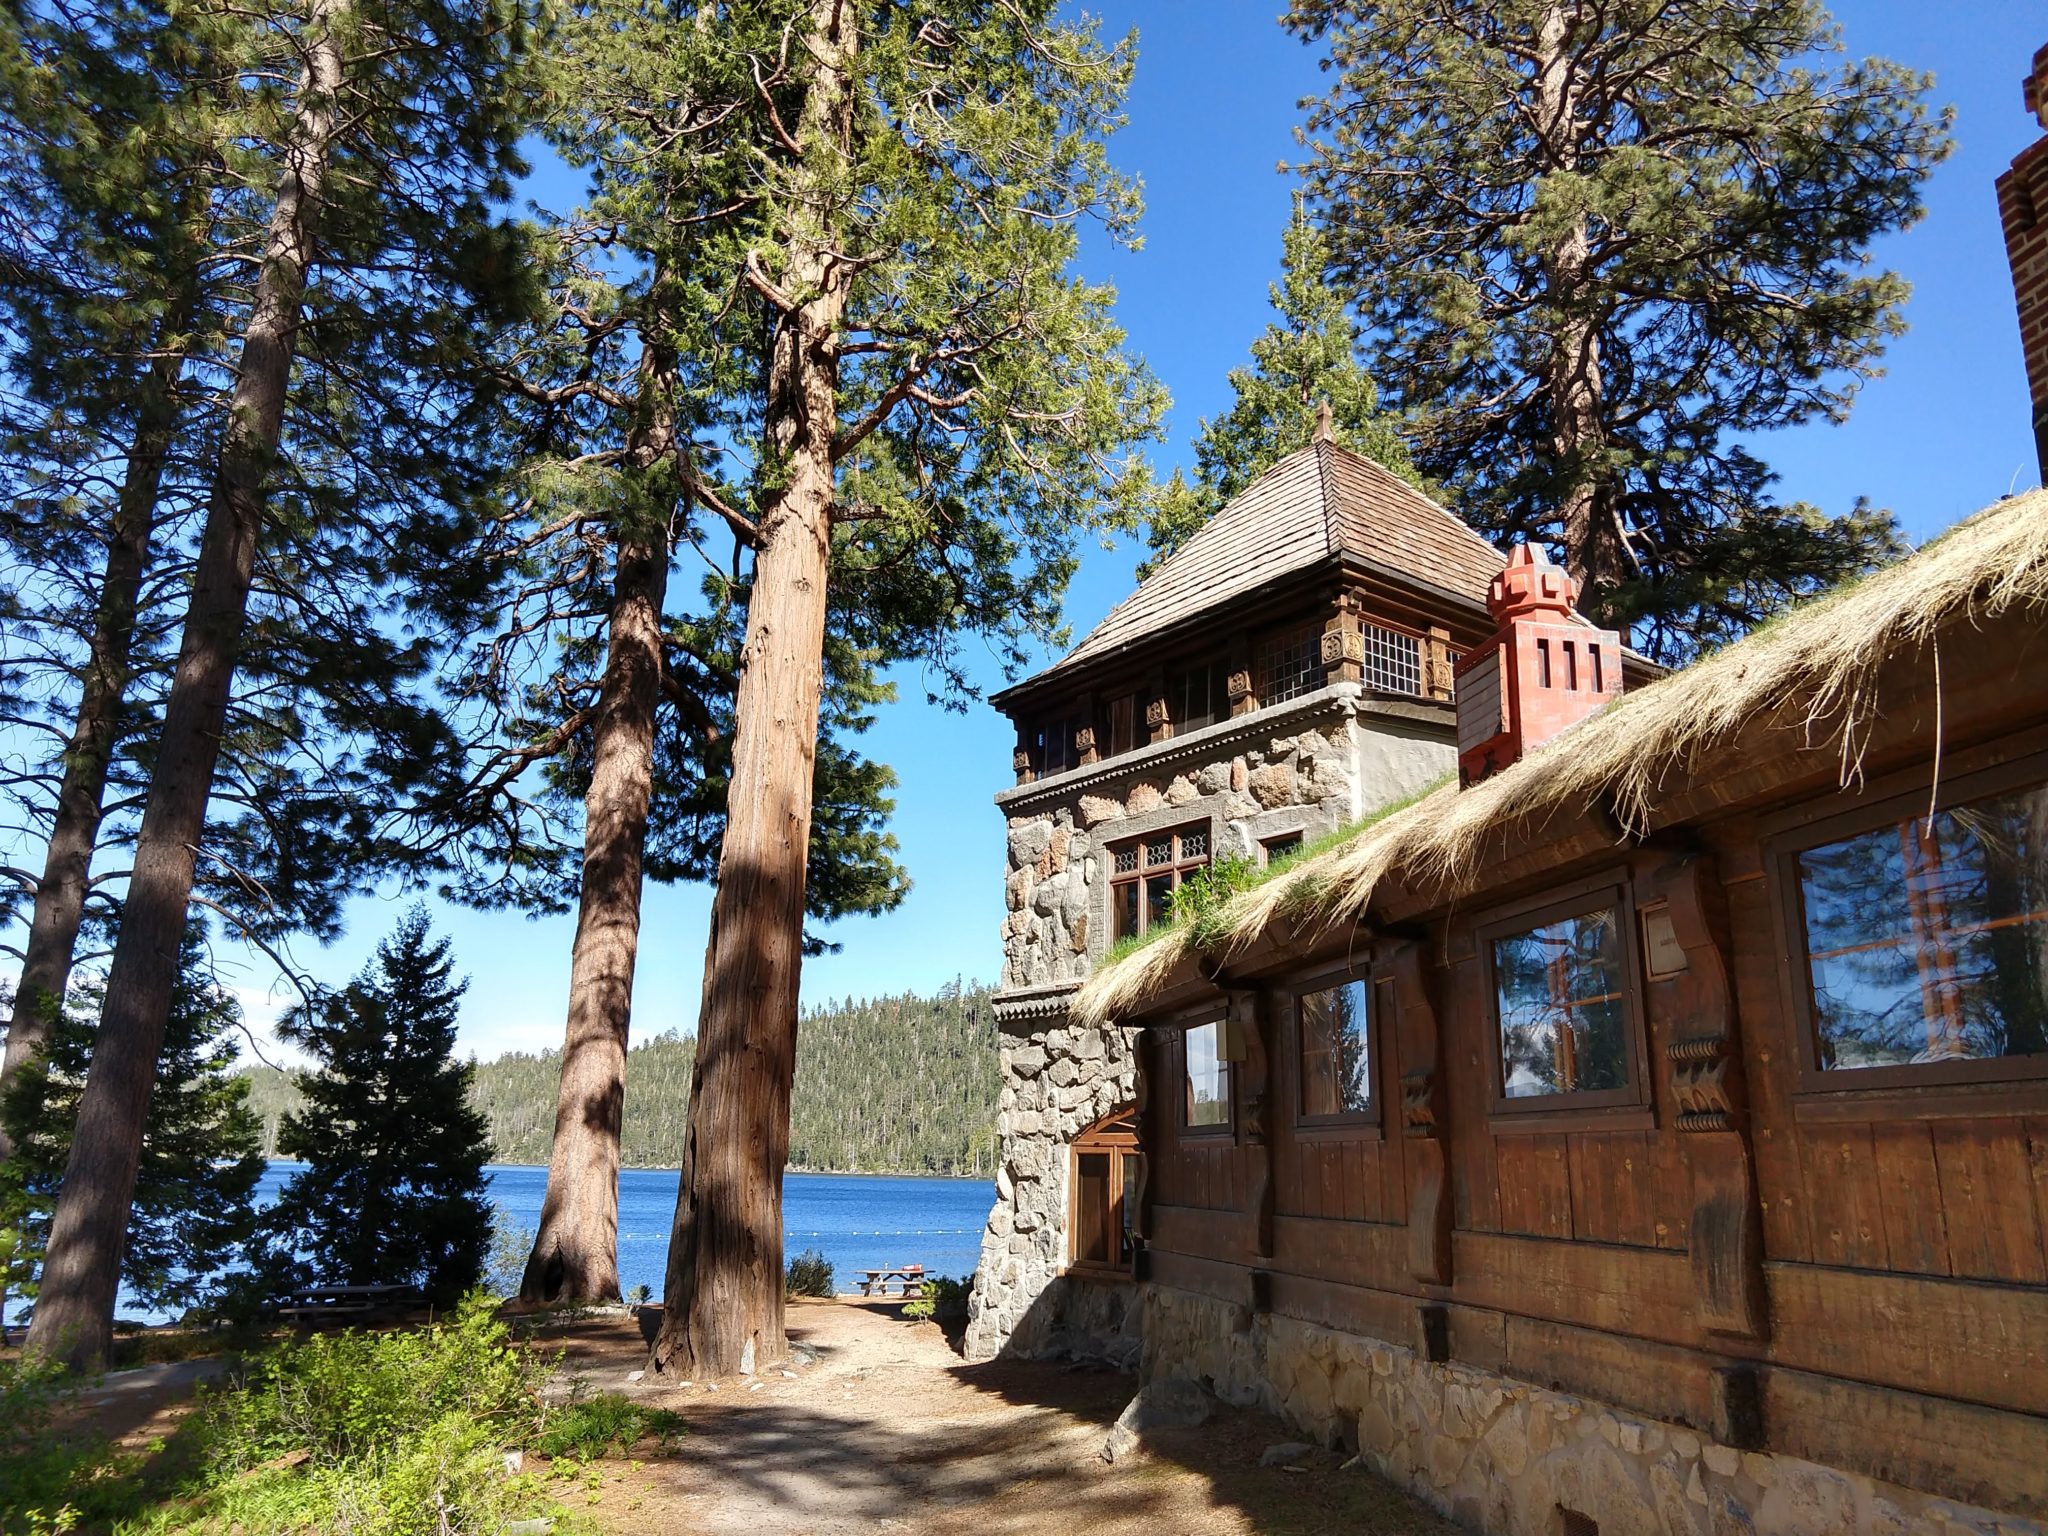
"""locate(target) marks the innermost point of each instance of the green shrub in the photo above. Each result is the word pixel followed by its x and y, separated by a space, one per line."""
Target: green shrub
pixel 588 1427
pixel 809 1274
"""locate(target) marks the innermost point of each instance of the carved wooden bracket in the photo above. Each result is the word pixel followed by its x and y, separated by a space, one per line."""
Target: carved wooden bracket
pixel 1020 762
pixel 1422 1116
pixel 1239 684
pixel 1696 1002
pixel 1248 1016
pixel 1342 645
pixel 1084 744
pixel 1699 1081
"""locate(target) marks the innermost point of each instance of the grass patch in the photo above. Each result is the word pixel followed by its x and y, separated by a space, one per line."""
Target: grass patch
pixel 588 1428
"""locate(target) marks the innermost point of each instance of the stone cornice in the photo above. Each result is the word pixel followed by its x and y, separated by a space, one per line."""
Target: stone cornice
pixel 1224 738
pixel 1026 1008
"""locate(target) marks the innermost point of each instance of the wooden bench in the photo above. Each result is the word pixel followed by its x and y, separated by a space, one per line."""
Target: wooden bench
pixel 909 1278
pixel 342 1303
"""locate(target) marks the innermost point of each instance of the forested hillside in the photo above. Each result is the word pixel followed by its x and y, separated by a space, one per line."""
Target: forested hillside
pixel 893 1085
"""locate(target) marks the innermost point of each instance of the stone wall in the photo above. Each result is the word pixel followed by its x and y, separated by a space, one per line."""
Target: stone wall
pixel 1304 768
pixel 1505 1457
pixel 1296 769
pixel 1057 1081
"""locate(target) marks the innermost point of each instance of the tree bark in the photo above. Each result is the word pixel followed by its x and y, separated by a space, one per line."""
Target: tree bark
pixel 59 908
pixel 575 1253
pixel 81 1269
pixel 1594 556
pixel 722 1299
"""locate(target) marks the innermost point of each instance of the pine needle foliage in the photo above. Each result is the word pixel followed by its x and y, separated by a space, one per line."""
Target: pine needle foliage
pixel 394 1189
pixel 1599 248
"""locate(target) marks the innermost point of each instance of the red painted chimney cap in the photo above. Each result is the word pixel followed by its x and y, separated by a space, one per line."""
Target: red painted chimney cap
pixel 1529 586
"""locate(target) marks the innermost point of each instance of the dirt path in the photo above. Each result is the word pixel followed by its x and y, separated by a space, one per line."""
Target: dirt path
pixel 879 1426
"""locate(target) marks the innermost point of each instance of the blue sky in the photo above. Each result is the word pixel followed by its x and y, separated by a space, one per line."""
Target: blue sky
pixel 1211 116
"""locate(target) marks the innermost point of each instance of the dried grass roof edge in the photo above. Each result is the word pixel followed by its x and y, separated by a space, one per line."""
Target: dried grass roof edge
pixel 1820 661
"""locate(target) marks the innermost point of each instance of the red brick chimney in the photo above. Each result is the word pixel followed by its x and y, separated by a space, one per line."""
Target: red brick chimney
pixel 2023 210
pixel 1544 668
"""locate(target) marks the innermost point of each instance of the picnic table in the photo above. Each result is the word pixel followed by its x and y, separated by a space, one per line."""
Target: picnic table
pixel 319 1303
pixel 909 1278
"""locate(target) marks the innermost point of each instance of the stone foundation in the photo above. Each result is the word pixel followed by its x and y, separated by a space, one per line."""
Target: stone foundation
pixel 1057 1081
pixel 1507 1458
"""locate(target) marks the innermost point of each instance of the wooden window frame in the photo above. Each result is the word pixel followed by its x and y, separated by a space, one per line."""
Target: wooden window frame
pixel 1185 1097
pixel 1934 1089
pixel 1625 1108
pixel 1421 688
pixel 1310 632
pixel 1116 1136
pixel 1177 868
pixel 1352 1125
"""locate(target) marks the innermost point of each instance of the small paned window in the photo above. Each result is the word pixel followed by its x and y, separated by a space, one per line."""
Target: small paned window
pixel 1336 1063
pixel 1278 849
pixel 1056 750
pixel 1927 938
pixel 1208 1078
pixel 1145 872
pixel 1561 989
pixel 1105 1194
pixel 1393 660
pixel 1290 665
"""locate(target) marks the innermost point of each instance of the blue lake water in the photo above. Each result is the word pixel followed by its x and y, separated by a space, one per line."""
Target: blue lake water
pixel 858 1221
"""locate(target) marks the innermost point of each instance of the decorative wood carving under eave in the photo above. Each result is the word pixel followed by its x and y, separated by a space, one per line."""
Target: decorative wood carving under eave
pixel 1422 1116
pixel 1239 684
pixel 1696 1004
pixel 1341 645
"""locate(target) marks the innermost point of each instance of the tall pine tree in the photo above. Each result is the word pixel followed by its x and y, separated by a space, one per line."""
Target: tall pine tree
pixel 1306 359
pixel 394 1190
pixel 1599 248
pixel 928 408
pixel 376 255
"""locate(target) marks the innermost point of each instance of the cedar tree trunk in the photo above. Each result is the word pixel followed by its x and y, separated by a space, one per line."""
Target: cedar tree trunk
pixel 59 908
pixel 575 1253
pixel 722 1299
pixel 82 1267
pixel 1594 555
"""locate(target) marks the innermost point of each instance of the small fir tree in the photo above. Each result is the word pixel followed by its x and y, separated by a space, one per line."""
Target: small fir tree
pixel 1307 357
pixel 394 1190
pixel 201 1148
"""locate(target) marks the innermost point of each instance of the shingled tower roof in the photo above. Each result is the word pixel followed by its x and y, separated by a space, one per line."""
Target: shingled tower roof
pixel 1320 503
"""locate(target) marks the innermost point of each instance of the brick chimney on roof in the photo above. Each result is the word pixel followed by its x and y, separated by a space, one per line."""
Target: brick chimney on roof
pixel 2023 210
pixel 1544 668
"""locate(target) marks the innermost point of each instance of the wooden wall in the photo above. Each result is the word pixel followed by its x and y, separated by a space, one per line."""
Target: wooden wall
pixel 1867 1287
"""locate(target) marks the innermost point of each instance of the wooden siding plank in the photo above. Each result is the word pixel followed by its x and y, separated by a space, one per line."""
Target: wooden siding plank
pixel 1660 1380
pixel 1465 1018
pixel 1366 1253
pixel 1643 1292
pixel 1845 1217
pixel 1769 1058
pixel 1916 1237
pixel 1957 1450
pixel 1954 1338
pixel 1994 1231
pixel 1535 1185
pixel 1331 1158
pixel 1347 1308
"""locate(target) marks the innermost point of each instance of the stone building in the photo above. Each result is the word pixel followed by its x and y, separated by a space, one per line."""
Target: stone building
pixel 1286 673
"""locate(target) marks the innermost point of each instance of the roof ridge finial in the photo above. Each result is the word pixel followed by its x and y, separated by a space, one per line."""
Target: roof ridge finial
pixel 1325 431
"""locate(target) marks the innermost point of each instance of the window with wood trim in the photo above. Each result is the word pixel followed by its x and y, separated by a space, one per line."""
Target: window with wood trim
pixel 1206 1075
pixel 1563 1006
pixel 1393 660
pixel 1198 696
pixel 1119 727
pixel 1146 871
pixel 1276 850
pixel 1290 664
pixel 1104 1195
pixel 1053 744
pixel 1333 1053
pixel 1926 937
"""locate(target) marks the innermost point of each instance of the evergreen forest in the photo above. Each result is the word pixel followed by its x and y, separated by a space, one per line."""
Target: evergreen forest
pixel 903 1084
